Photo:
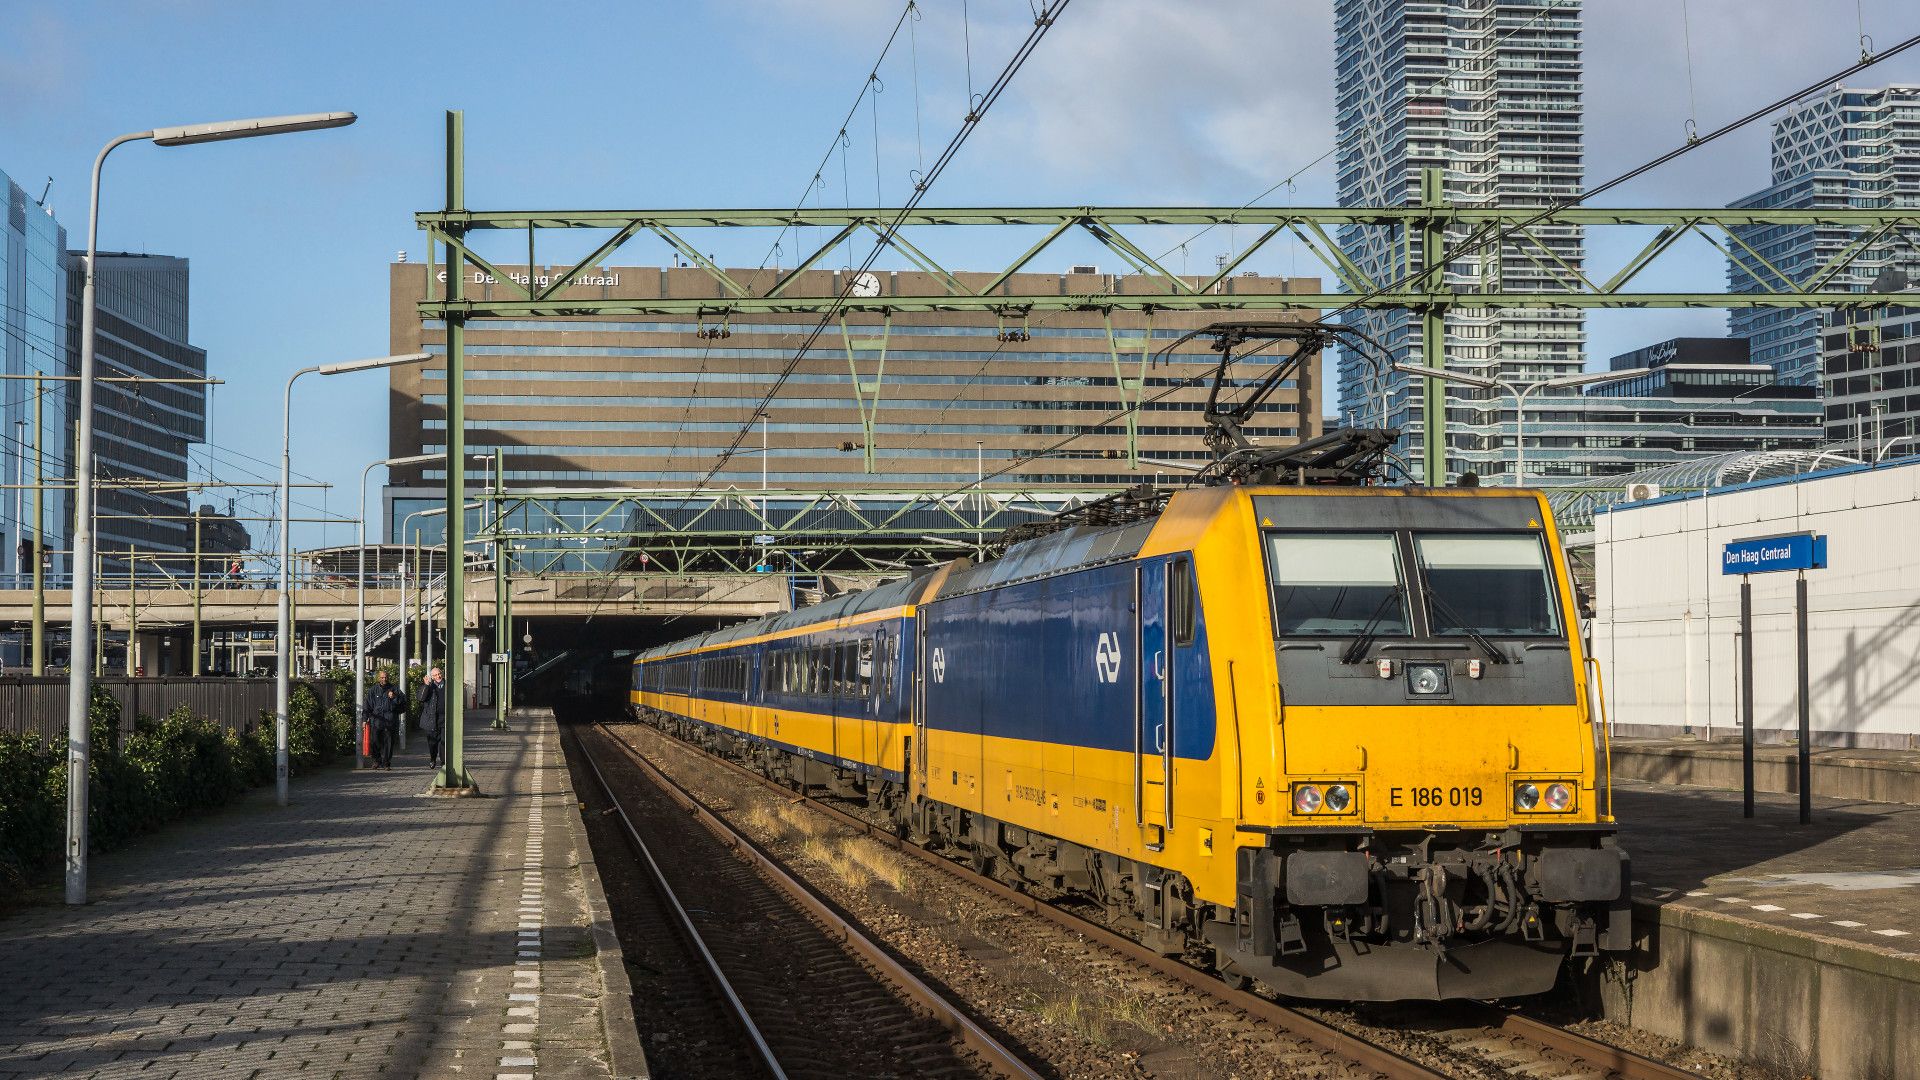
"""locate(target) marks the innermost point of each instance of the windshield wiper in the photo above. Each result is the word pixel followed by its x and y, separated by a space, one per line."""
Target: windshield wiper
pixel 1357 651
pixel 1434 603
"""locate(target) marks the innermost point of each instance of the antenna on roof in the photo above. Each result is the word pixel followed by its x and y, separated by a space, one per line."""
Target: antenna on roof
pixel 42 200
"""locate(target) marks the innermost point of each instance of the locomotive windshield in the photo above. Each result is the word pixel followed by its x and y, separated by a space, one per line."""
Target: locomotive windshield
pixel 1337 585
pixel 1488 583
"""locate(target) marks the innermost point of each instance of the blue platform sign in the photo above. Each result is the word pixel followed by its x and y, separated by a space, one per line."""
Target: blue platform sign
pixel 1765 554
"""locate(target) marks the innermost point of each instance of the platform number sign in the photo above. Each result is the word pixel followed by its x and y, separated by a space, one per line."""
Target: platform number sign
pixel 1106 658
pixel 939 665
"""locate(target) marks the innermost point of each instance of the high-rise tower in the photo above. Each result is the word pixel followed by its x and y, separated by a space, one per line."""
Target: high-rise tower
pixel 1838 150
pixel 1488 92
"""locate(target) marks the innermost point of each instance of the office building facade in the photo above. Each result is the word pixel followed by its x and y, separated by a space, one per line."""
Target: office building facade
pixel 1489 93
pixel 1660 418
pixel 142 431
pixel 1841 149
pixel 651 402
pixel 33 339
pixel 1870 363
pixel 1667 417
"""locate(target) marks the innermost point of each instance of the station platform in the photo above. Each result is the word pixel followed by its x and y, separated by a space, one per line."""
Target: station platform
pixel 1840 772
pixel 367 930
pixel 1795 946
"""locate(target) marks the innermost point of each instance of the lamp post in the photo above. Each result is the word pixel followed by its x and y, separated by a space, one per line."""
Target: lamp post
pixel 360 604
pixel 421 557
pixel 80 681
pixel 283 648
pixel 1520 392
pixel 763 461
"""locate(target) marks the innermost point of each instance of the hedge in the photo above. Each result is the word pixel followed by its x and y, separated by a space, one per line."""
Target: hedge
pixel 168 768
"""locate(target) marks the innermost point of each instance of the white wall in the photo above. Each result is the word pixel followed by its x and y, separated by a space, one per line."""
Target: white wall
pixel 1667 621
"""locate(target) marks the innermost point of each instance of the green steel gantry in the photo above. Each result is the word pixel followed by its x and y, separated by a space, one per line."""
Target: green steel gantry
pixel 1423 236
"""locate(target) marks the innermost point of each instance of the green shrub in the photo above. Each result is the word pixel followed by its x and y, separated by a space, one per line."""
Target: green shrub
pixel 303 726
pixel 164 769
pixel 339 715
pixel 31 819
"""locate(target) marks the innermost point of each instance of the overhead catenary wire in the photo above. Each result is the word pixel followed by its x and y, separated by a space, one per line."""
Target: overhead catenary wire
pixel 866 85
pixel 1569 201
pixel 1042 23
pixel 1288 181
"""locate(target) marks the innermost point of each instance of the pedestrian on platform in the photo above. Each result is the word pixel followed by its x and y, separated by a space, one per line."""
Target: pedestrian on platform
pixel 386 711
pixel 433 712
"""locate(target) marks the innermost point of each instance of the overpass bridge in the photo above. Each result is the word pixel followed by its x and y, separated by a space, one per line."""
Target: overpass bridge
pixel 239 625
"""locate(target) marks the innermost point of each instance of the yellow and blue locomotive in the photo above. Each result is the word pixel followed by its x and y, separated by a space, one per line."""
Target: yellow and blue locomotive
pixel 1339 736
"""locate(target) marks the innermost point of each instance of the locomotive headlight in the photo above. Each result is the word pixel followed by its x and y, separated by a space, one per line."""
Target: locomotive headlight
pixel 1546 798
pixel 1306 799
pixel 1339 799
pixel 1427 678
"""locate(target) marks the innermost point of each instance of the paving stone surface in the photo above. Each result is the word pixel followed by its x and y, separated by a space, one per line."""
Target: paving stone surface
pixel 1852 876
pixel 364 931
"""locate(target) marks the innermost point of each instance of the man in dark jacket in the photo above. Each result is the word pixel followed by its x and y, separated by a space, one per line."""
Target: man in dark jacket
pixel 433 712
pixel 386 711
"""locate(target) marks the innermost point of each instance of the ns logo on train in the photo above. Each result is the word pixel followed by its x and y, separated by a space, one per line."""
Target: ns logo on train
pixel 1106 658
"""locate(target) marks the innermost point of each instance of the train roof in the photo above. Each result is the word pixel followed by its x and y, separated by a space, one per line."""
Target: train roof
pixel 1057 553
pixel 846 605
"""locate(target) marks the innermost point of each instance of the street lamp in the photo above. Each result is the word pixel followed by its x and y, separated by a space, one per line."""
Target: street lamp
pixel 80 681
pixel 1520 393
pixel 360 614
pixel 420 574
pixel 283 649
pixel 762 417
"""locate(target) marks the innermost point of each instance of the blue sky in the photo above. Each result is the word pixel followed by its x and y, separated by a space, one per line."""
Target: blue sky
pixel 732 103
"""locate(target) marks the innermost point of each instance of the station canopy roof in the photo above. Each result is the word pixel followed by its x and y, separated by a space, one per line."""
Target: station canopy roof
pixel 1575 505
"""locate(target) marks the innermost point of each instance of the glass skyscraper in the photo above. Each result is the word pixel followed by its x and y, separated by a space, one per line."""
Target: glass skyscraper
pixel 1489 93
pixel 141 431
pixel 33 334
pixel 1841 149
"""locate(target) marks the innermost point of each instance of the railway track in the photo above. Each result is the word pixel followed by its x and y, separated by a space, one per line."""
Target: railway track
pixel 1470 1039
pixel 806 993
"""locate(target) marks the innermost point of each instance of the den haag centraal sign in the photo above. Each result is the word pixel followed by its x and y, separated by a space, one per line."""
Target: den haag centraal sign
pixel 1766 554
pixel 480 278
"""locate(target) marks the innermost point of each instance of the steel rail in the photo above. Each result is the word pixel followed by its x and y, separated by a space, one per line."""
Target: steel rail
pixel 691 934
pixel 1325 1036
pixel 945 1012
pixel 1617 1061
pixel 1625 1063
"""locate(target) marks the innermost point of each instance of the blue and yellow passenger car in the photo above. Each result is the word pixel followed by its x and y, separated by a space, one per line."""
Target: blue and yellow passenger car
pixel 1340 737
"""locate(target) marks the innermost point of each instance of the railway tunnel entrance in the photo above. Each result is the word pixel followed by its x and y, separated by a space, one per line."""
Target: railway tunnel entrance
pixel 573 660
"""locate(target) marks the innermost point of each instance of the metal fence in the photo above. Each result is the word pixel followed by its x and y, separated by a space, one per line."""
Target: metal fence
pixel 39 705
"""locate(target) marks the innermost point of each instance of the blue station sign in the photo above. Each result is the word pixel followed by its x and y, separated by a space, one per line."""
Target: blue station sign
pixel 1765 554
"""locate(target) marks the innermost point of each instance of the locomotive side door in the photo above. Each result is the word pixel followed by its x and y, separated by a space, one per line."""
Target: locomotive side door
pixel 917 705
pixel 1152 733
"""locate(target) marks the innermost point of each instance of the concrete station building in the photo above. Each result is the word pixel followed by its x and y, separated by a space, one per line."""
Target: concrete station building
pixel 651 402
pixel 1667 620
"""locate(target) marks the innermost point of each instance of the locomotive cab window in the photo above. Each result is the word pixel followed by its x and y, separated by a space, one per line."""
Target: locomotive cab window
pixel 1337 584
pixel 1488 583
